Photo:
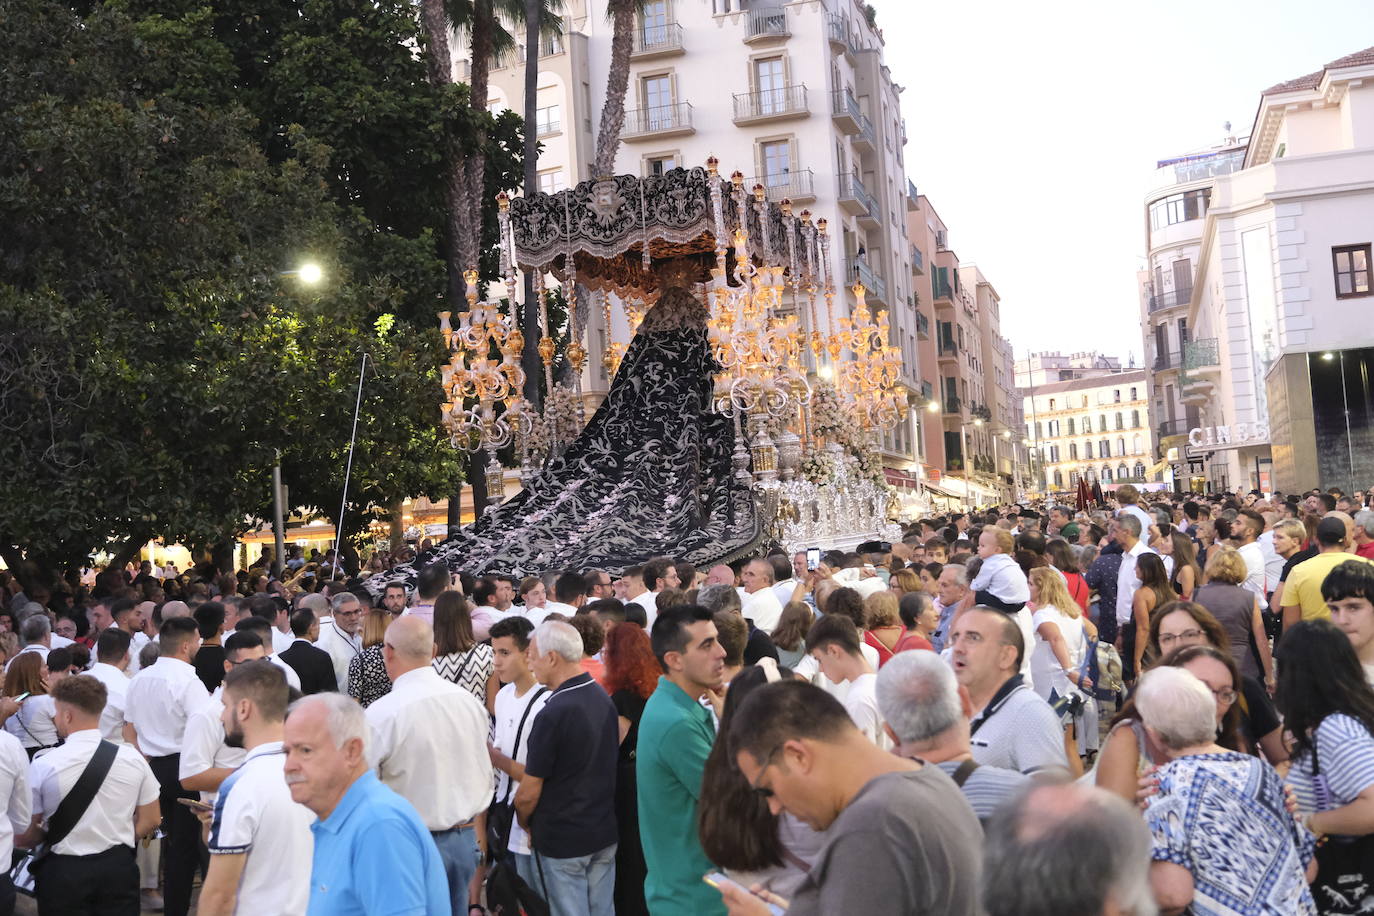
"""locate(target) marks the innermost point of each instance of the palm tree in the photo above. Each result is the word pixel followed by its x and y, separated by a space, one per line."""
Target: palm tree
pixel 623 14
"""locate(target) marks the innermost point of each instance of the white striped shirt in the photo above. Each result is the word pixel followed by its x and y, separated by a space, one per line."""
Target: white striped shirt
pixel 1345 754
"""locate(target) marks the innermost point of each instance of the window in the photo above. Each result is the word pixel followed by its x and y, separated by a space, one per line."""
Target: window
pixel 776 156
pixel 1073 451
pixel 658 165
pixel 1351 263
pixel 653 17
pixel 1058 479
pixel 1106 448
pixel 657 93
pixel 1179 208
pixel 1116 396
pixel 1183 281
pixel 1054 429
pixel 1087 449
pixel 1070 426
pixel 1073 478
pixel 1137 445
pixel 1135 419
pixel 1085 401
pixel 1087 424
pixel 1121 472
pixel 551 181
pixel 1121 445
pixel 546 120
pixel 1051 403
pixel 1118 420
pixel 1182 334
pixel 1140 469
pixel 1133 397
pixel 770 82
pixel 1106 473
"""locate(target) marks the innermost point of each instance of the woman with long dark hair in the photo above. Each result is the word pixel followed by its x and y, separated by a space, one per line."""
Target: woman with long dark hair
pixel 1186 575
pixel 458 656
pixel 1154 592
pixel 790 635
pixel 1328 707
pixel 738 831
pixel 631 674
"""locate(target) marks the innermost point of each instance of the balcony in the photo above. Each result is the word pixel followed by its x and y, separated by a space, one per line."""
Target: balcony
pixel 875 289
pixel 771 105
pixel 549 128
pixel 866 140
pixel 922 326
pixel 948 351
pixel 953 406
pixel 855 199
pixel 1171 428
pixel 796 186
pixel 918 261
pixel 837 30
pixel 1170 299
pixel 552 46
pixel 1166 361
pixel 942 291
pixel 767 23
pixel 661 121
pixel 844 108
pixel 657 41
pixel 1201 354
pixel 911 196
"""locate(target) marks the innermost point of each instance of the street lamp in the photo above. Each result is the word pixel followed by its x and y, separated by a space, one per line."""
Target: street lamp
pixel 309 273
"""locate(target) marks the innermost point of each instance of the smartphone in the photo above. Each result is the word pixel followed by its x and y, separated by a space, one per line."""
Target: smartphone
pixel 813 557
pixel 196 804
pixel 22 697
pixel 718 880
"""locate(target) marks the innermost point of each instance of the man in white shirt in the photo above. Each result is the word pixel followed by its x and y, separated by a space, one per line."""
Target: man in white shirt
pixel 112 659
pixel 785 576
pixel 570 590
pixel 131 618
pixel 1273 560
pixel 264 631
pixel 1128 497
pixel 277 617
pixel 834 642
pixel 1126 532
pixel 630 586
pixel 92 867
pixel 1249 526
pixel 430 747
pixel 260 843
pixel 760 602
pixel 159 701
pixel 16 799
pixel 517 706
pixel 206 758
pixel 341 636
pixel 658 574
pixel 485 613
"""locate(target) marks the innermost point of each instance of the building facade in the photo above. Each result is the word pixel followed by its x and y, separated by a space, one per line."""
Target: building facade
pixel 1281 363
pixel 1046 367
pixel 1175 214
pixel 1096 429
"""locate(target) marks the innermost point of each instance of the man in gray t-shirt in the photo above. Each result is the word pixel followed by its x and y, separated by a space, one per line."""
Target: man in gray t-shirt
pixel 899 836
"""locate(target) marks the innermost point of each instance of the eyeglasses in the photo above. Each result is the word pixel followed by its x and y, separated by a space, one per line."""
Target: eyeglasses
pixel 1225 696
pixel 764 792
pixel 1168 639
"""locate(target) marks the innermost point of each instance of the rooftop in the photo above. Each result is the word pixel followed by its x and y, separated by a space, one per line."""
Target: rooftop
pixel 1313 80
pixel 1096 381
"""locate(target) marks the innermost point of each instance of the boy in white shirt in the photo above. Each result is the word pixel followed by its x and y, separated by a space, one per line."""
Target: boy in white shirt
pixel 834 642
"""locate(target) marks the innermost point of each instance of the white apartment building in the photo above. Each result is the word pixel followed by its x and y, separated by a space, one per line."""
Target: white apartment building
pixel 1175 213
pixel 1282 310
pixel 1095 429
pixel 1046 367
pixel 795 95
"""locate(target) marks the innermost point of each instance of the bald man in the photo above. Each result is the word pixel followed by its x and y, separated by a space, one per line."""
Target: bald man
pixel 721 574
pixel 430 747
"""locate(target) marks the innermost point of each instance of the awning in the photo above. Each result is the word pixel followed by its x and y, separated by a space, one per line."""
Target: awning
pixel 1157 469
pixel 901 479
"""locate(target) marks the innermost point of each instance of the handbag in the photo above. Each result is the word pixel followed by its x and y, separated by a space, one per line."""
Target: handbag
pixel 28 862
pixel 509 895
pixel 501 814
pixel 1345 867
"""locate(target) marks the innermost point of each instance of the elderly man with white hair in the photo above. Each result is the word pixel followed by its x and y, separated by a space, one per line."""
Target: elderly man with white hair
pixel 1223 839
pixel 569 784
pixel 926 713
pixel 1036 847
pixel 373 854
pixel 342 635
pixel 430 746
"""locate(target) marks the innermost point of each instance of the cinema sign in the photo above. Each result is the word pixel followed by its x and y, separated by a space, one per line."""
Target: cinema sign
pixel 1233 436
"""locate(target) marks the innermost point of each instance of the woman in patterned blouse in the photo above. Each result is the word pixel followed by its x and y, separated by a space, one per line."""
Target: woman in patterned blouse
pixel 458 656
pixel 367 677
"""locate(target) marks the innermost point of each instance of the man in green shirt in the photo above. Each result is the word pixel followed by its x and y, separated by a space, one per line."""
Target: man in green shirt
pixel 675 738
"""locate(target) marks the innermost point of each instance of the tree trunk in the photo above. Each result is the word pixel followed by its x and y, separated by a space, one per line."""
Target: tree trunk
pixel 397 525
pixel 439 67
pixel 529 318
pixel 617 82
pixel 475 164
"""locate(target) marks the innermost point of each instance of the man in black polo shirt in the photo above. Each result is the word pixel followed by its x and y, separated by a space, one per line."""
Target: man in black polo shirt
pixel 567 795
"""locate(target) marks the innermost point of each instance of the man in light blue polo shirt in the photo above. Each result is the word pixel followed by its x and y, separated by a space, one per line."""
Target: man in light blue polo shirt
pixel 373 855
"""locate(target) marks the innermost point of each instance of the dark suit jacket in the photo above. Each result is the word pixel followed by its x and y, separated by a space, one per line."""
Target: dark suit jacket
pixel 315 667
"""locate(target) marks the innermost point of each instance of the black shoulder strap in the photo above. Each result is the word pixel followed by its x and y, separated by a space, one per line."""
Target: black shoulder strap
pixel 965 770
pixel 75 802
pixel 520 730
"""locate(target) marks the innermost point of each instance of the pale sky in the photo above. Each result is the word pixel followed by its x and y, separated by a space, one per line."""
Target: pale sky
pixel 1034 130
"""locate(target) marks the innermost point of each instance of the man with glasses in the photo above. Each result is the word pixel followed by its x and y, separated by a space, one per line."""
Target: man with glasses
pixel 342 635
pixel 599 584
pixel 895 829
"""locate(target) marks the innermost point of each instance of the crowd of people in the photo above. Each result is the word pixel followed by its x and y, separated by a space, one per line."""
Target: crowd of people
pixel 1157 705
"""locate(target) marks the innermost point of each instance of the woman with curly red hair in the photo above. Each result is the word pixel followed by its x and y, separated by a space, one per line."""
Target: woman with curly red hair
pixel 631 674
